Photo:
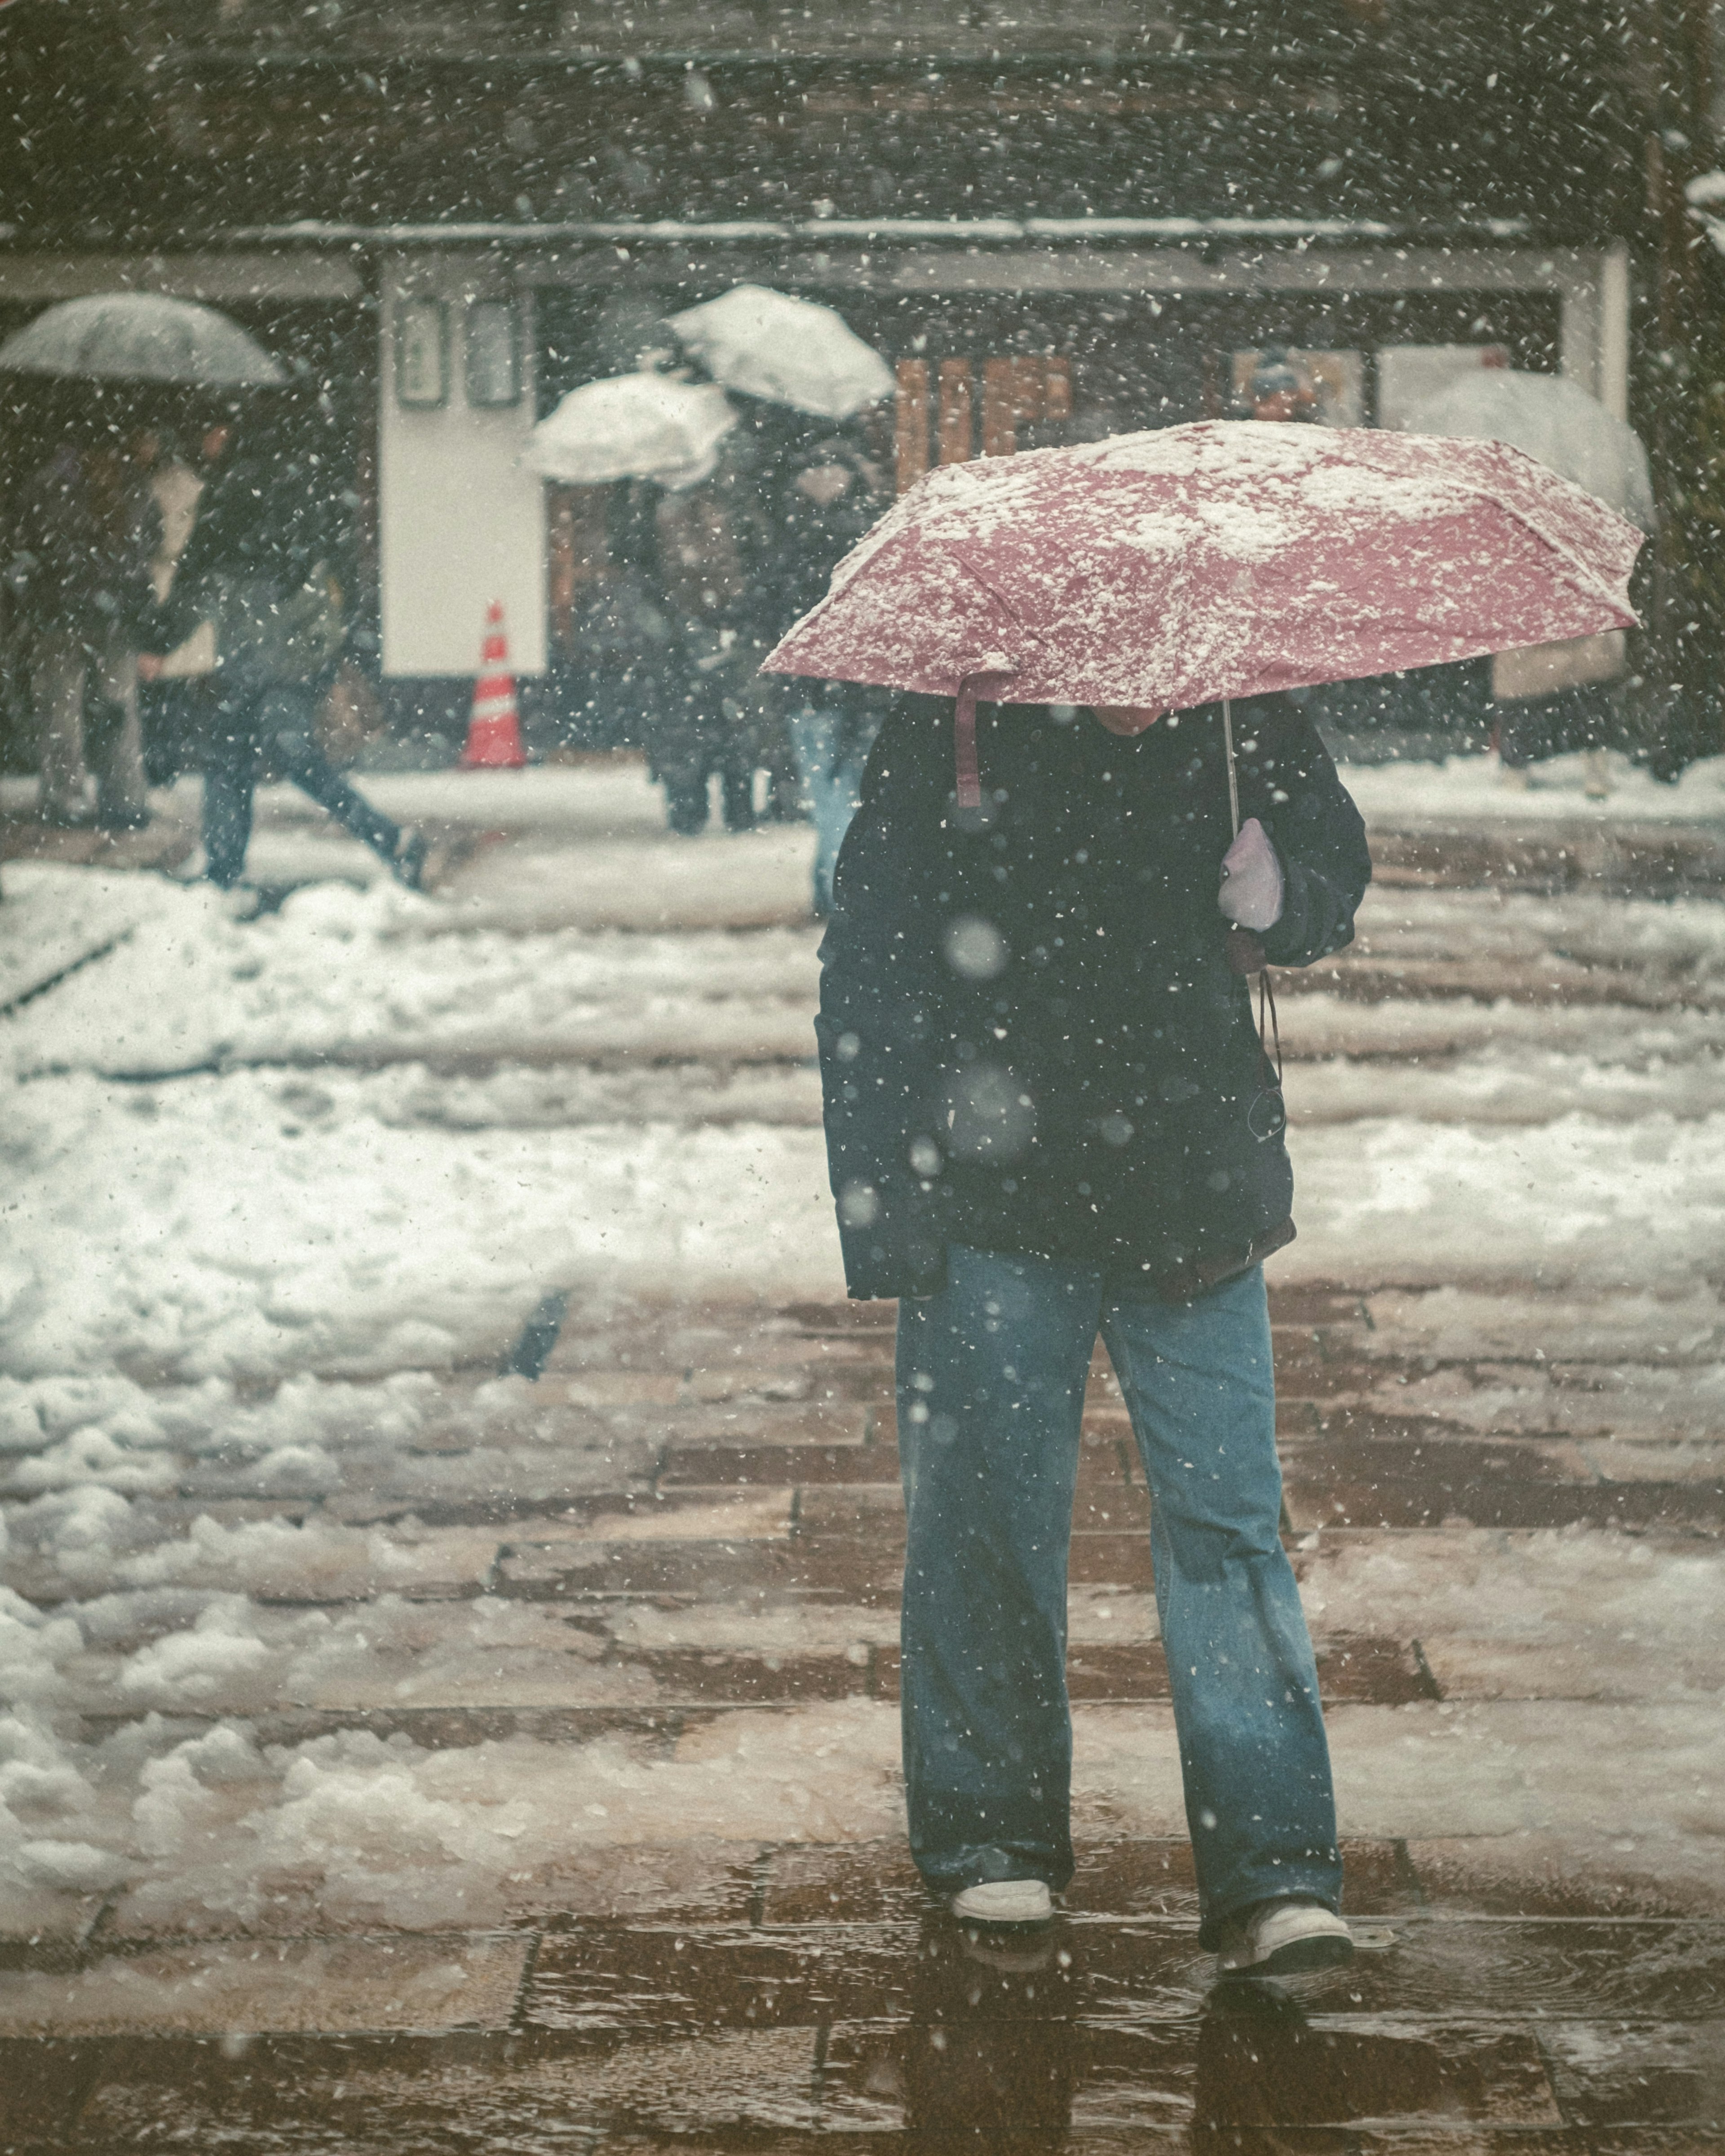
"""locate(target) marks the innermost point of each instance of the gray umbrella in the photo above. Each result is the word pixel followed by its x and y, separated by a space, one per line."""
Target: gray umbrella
pixel 142 336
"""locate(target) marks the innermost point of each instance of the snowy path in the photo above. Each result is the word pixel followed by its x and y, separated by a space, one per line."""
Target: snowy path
pixel 316 1631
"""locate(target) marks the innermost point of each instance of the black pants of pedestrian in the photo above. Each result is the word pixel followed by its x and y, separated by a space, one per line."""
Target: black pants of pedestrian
pixel 271 729
pixel 686 807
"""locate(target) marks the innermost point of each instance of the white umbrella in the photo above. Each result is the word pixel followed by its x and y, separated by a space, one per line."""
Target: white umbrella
pixel 788 350
pixel 1551 418
pixel 142 336
pixel 633 426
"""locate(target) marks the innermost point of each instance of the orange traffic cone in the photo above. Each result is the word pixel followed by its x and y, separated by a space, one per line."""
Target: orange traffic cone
pixel 493 729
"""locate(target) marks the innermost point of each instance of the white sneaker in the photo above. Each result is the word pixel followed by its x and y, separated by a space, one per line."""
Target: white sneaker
pixel 1282 1938
pixel 1004 1901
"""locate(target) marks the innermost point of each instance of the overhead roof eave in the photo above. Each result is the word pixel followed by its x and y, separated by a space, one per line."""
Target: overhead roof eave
pixel 990 231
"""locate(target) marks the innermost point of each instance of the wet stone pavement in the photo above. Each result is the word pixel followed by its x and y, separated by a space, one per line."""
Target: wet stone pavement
pixel 662 1551
pixel 781 1997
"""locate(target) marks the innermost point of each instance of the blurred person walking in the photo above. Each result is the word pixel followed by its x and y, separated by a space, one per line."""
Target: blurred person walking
pixel 86 528
pixel 831 501
pixel 705 720
pixel 257 570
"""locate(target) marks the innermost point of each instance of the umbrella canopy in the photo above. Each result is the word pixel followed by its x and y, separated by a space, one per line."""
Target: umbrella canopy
pixel 633 426
pixel 1551 418
pixel 1227 559
pixel 788 350
pixel 142 336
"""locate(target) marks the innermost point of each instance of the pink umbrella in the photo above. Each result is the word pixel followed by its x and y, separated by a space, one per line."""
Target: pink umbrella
pixel 1197 564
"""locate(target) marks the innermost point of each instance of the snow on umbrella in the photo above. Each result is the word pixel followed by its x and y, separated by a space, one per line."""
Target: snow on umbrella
pixel 1196 564
pixel 633 426
pixel 1551 418
pixel 142 336
pixel 788 350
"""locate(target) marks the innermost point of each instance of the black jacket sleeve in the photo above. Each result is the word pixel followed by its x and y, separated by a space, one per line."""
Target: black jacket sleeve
pixel 882 1003
pixel 1290 783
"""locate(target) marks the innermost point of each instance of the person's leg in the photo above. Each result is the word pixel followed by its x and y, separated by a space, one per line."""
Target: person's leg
pixel 287 723
pixel 114 741
pixel 736 776
pixel 844 798
pixel 815 735
pixel 230 778
pixel 773 755
pixel 1198 1383
pixel 735 760
pixel 686 798
pixel 58 666
pixel 991 1378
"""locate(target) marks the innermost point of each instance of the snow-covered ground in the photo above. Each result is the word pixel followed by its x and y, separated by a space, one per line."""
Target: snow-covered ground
pixel 278 1193
pixel 1469 792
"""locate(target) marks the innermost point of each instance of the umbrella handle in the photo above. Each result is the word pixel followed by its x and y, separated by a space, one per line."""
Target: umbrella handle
pixel 967 771
pixel 1233 774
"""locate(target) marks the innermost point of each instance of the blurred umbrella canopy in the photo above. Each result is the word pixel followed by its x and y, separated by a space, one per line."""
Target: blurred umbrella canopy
pixel 788 350
pixel 633 426
pixel 1554 419
pixel 142 337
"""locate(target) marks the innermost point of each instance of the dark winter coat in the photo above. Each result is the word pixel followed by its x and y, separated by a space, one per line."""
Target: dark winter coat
pixel 258 566
pixel 1030 1037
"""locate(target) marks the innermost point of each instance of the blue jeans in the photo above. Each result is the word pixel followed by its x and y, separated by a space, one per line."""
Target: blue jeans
pixel 832 783
pixel 991 1378
pixel 274 726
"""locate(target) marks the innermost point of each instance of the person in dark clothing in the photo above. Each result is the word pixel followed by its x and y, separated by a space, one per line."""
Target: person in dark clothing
pixel 709 717
pixel 1049 1114
pixel 85 530
pixel 832 500
pixel 257 568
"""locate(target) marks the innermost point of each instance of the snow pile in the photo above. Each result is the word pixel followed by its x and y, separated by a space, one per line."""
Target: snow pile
pixel 55 918
pixel 1573 1586
pixel 138 1236
pixel 1456 1324
pixel 365 1830
pixel 46 1803
pixel 339 971
pixel 1578 1200
pixel 1464 793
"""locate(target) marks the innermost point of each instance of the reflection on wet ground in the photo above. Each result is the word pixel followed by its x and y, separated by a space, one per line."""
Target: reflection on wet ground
pixel 1452 2032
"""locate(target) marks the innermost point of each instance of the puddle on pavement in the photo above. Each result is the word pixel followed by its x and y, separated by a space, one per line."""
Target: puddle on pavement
pixel 1089 2036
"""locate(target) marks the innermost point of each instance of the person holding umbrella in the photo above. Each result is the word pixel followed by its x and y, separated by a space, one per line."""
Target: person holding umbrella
pixel 1049 1111
pixel 1037 1020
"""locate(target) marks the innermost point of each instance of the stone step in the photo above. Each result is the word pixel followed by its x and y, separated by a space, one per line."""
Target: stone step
pixel 828 1567
pixel 1656 861
pixel 1367 1482
pixel 678 1688
pixel 1104 1461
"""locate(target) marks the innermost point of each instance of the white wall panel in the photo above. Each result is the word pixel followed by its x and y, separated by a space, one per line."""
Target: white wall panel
pixel 460 523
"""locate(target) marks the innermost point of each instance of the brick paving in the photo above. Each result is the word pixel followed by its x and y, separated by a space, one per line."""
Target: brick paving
pixel 696 1507
pixel 782 1997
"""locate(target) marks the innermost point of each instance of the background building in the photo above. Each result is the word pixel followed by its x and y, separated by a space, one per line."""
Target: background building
pixel 452 211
